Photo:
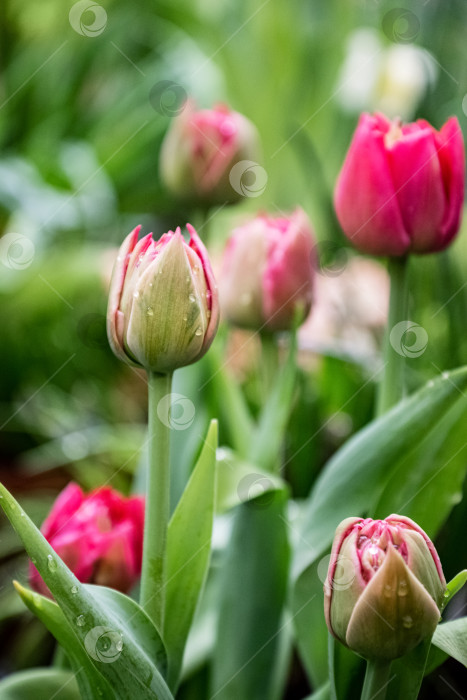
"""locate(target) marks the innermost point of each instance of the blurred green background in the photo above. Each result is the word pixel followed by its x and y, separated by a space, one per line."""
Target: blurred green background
pixel 85 100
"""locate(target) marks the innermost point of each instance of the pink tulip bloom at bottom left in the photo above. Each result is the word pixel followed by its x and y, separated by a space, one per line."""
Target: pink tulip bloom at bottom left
pixel 99 536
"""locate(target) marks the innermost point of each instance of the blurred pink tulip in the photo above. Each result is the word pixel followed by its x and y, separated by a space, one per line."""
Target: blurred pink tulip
pixel 385 586
pixel 268 272
pixel 163 308
pixel 99 536
pixel 401 188
pixel 200 149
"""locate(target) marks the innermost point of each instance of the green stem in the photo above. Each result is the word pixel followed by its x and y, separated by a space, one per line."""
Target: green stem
pixel 376 680
pixel 392 386
pixel 269 362
pixel 157 515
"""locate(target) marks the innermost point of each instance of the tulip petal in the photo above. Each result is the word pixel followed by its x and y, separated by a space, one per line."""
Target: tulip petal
pixel 416 174
pixel 288 274
pixel 451 155
pixel 365 199
pixel 393 614
pixel 212 296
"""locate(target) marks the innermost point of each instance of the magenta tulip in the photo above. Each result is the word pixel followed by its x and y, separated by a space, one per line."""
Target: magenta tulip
pixel 201 148
pixel 401 188
pixel 99 536
pixel 385 586
pixel 163 308
pixel 268 272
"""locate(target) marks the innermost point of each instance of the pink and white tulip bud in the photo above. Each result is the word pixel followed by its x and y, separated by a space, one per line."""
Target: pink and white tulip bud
pixel 99 536
pixel 163 307
pixel 200 150
pixel 385 586
pixel 401 188
pixel 268 272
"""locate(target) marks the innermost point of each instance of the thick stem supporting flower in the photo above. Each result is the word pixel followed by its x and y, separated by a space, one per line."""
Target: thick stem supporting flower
pixel 392 386
pixel 376 680
pixel 269 362
pixel 157 500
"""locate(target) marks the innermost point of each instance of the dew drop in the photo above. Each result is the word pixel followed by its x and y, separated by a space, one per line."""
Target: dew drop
pixel 119 645
pixel 402 589
pixel 445 375
pixel 198 332
pixel 136 295
pixel 34 561
pixel 188 278
pixel 51 563
pixel 192 298
pixel 22 514
pixel 1 495
pixel 185 318
pixel 150 311
pixel 100 692
pixel 431 383
pixel 446 594
pixel 407 622
pixel 74 590
pixel 80 620
pixel 151 284
pixel 387 590
pixel 196 269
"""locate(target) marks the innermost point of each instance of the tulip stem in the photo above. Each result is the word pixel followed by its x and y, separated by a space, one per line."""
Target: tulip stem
pixel 269 362
pixel 392 385
pixel 376 680
pixel 157 515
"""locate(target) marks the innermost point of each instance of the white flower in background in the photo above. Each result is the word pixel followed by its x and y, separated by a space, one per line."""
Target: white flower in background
pixel 392 79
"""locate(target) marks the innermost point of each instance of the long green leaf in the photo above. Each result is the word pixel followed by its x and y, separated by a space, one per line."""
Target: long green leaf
pixel 253 590
pixel 188 552
pixel 133 673
pixel 352 480
pixel 451 637
pixel 40 684
pixel 87 676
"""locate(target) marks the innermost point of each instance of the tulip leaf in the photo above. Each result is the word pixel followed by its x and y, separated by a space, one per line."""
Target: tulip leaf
pixel 455 585
pixel 239 481
pixel 427 481
pixel 53 618
pixel 188 552
pixel 90 612
pixel 41 684
pixel 323 693
pixel 352 480
pixel 253 589
pixel 451 637
pixel 268 436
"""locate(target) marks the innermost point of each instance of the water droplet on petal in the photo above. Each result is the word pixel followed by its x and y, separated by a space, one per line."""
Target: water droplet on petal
pixel 192 298
pixel 407 622
pixel 402 589
pixel 150 311
pixel 51 563
pixel 387 590
pixel 136 294
pixel 80 620
pixel 185 318
pixel 198 332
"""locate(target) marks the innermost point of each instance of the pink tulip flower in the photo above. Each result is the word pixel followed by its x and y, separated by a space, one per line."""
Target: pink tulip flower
pixel 163 307
pixel 200 149
pixel 268 272
pixel 401 188
pixel 99 536
pixel 385 586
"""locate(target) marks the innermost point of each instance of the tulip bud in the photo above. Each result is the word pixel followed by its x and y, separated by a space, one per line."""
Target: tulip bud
pixel 390 597
pixel 163 307
pixel 99 536
pixel 401 188
pixel 268 272
pixel 200 149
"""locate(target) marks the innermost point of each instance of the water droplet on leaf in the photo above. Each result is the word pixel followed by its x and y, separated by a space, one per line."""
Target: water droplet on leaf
pixel 80 620
pixel 51 563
